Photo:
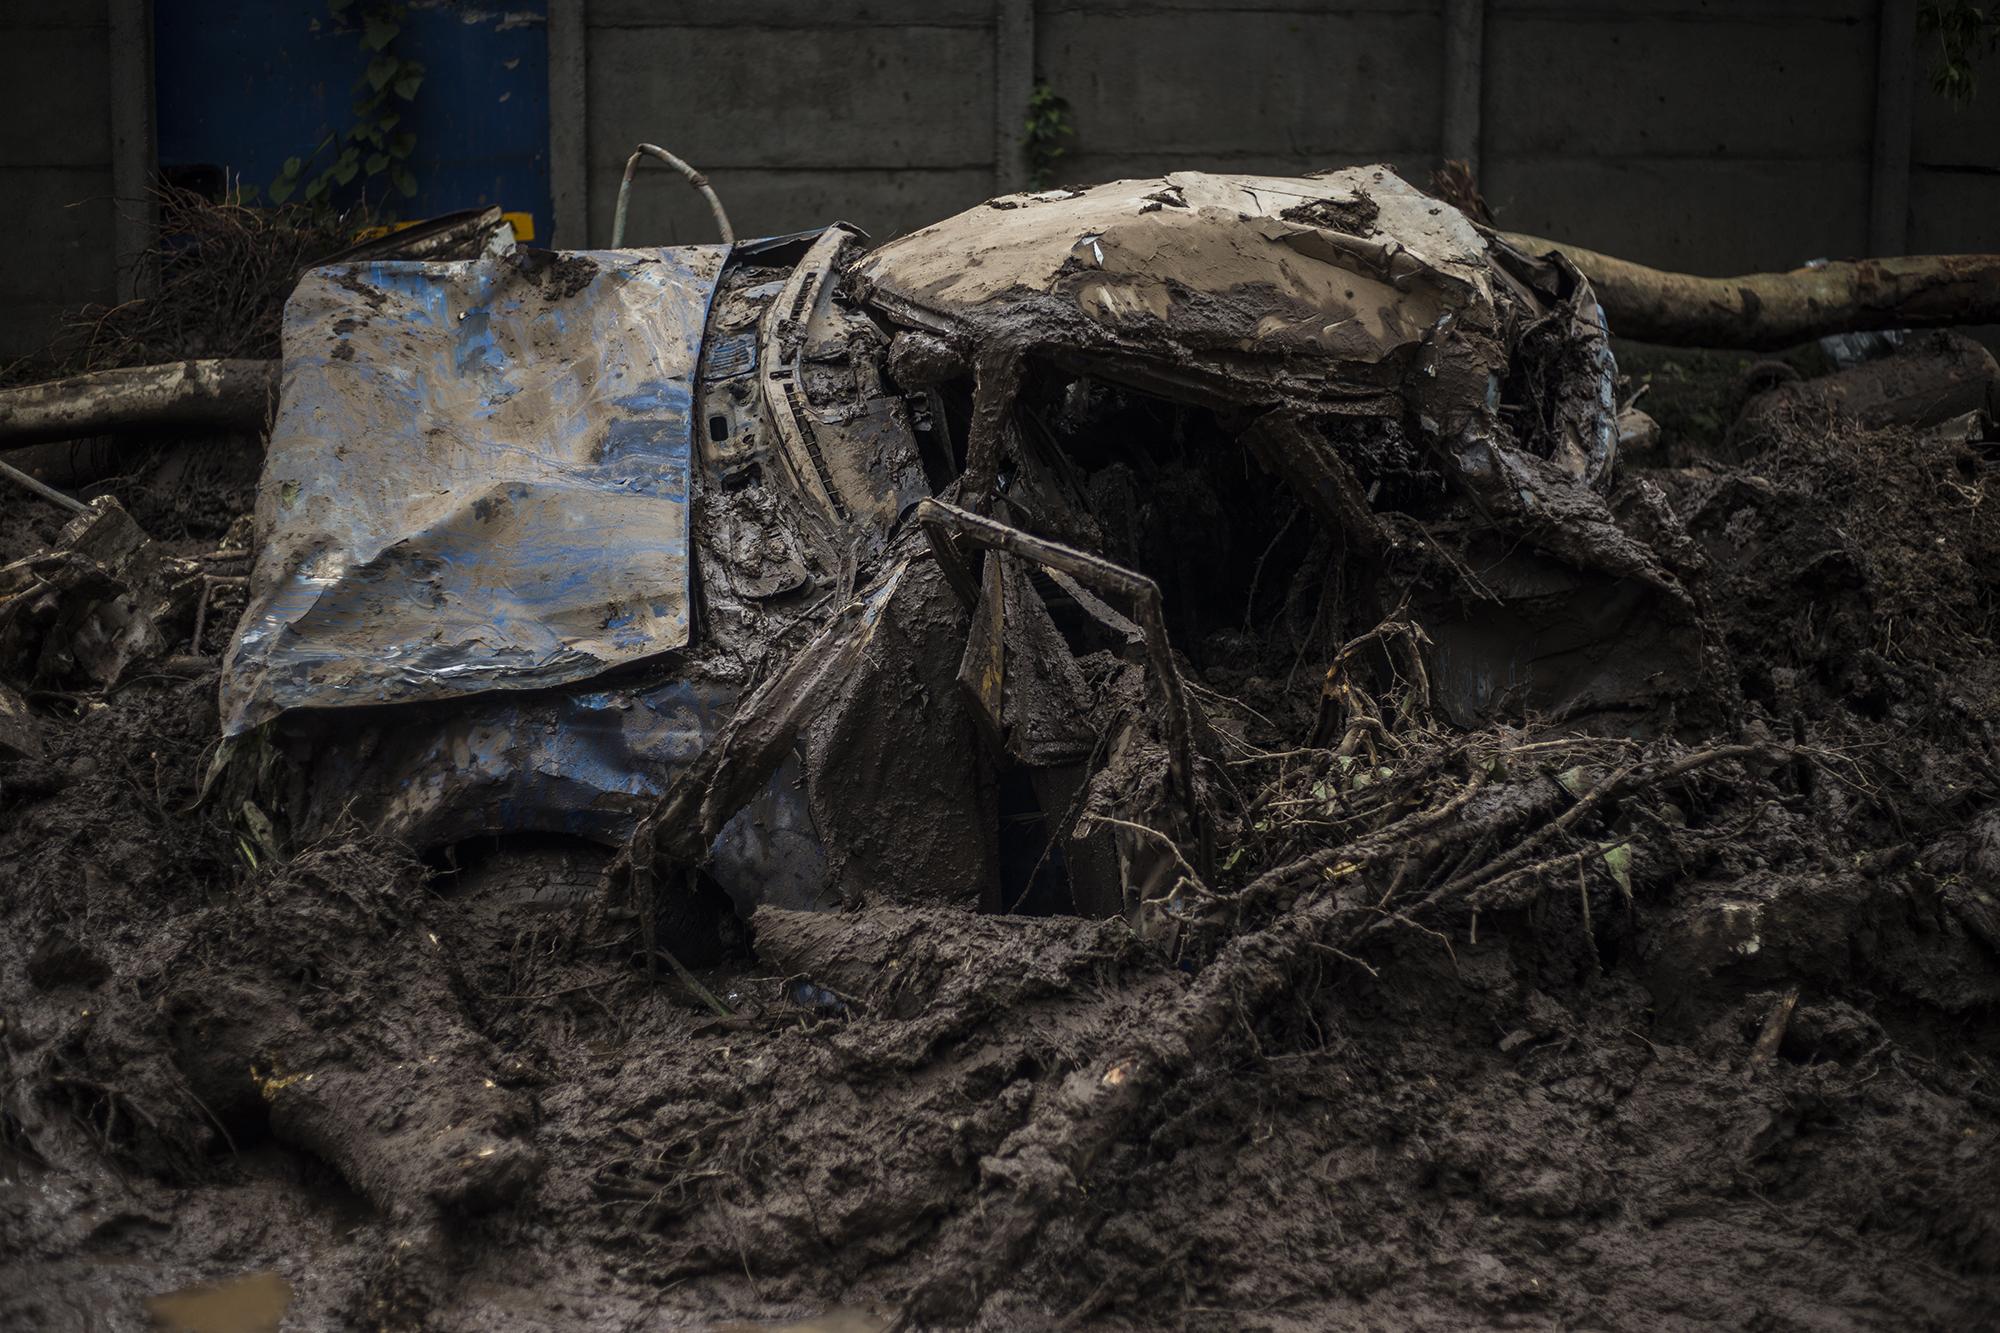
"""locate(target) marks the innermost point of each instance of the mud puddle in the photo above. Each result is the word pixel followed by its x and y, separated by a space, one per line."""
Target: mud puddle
pixel 253 1303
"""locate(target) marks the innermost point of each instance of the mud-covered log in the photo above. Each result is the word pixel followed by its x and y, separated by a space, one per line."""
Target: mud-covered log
pixel 181 395
pixel 1928 381
pixel 1767 311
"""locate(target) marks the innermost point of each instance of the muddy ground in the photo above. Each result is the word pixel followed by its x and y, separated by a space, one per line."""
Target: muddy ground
pixel 1715 1048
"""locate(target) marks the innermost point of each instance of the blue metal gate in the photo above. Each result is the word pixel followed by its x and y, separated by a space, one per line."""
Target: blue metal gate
pixel 242 85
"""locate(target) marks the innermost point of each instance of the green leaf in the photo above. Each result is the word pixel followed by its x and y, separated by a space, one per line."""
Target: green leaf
pixel 293 166
pixel 376 164
pixel 258 826
pixel 1571 780
pixel 281 188
pixel 402 145
pixel 411 80
pixel 405 182
pixel 388 120
pixel 316 189
pixel 377 31
pixel 344 170
pixel 381 70
pixel 1618 860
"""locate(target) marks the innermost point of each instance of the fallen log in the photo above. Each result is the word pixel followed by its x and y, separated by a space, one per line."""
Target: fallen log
pixel 1930 380
pixel 1768 311
pixel 181 395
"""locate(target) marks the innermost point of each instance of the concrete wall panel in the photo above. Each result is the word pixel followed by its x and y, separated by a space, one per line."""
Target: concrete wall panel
pixel 840 98
pixel 1954 212
pixel 17 15
pixel 789 13
pixel 59 251
pixel 1415 165
pixel 55 168
pixel 1945 134
pixel 1720 216
pixel 1698 11
pixel 666 211
pixel 68 68
pixel 1283 86
pixel 1617 85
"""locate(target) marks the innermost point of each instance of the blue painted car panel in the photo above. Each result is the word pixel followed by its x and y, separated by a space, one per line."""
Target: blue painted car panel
pixel 477 479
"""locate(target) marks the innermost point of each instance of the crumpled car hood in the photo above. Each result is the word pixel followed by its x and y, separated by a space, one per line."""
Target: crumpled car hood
pixel 1249 275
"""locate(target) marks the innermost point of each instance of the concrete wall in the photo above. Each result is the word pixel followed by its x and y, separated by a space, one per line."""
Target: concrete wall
pixel 880 113
pixel 55 166
pixel 1715 135
pixel 1722 136
pixel 1955 172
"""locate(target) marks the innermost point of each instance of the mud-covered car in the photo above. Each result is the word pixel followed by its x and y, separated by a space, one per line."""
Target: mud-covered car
pixel 849 574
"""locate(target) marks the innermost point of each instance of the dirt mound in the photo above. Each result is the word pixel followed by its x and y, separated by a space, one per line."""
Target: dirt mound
pixel 1681 1023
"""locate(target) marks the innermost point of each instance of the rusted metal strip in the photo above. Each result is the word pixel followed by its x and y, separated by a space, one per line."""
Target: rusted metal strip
pixel 1142 593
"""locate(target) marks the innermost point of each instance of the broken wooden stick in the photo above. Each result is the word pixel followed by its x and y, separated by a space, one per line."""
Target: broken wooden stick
pixel 1775 1024
pixel 47 492
pixel 181 395
pixel 1768 311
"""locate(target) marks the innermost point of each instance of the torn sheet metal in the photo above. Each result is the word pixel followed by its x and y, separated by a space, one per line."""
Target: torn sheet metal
pixel 478 478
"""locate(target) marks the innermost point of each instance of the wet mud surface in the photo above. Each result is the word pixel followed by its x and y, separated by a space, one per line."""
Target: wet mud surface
pixel 1738 1070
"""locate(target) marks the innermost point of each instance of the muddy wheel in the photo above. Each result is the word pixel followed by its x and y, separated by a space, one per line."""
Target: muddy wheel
pixel 551 876
pixel 696 923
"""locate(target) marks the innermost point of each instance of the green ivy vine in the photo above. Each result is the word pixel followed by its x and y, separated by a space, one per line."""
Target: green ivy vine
pixel 1964 33
pixel 1046 134
pixel 373 147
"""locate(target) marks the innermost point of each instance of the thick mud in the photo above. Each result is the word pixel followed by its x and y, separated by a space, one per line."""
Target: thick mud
pixel 1738 1069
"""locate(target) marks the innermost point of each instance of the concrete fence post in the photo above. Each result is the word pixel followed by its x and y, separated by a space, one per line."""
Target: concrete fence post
pixel 1889 177
pixel 130 29
pixel 1464 79
pixel 1013 85
pixel 569 143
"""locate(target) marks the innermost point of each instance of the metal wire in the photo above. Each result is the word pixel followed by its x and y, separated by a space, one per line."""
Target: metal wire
pixel 693 177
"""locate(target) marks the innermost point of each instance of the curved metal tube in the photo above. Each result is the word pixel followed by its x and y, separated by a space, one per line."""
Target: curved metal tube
pixel 693 177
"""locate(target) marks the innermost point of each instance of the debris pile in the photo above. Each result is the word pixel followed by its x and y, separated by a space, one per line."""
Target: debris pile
pixel 1133 757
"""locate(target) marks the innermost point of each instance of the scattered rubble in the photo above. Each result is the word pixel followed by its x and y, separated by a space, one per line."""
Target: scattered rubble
pixel 1135 756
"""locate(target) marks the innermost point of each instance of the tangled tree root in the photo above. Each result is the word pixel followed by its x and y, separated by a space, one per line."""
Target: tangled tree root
pixel 1450 839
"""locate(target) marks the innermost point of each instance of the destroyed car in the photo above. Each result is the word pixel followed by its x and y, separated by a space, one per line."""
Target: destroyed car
pixel 842 574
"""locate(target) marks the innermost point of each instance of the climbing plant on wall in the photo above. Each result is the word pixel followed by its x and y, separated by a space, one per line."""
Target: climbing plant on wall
pixel 1046 135
pixel 1963 32
pixel 375 147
